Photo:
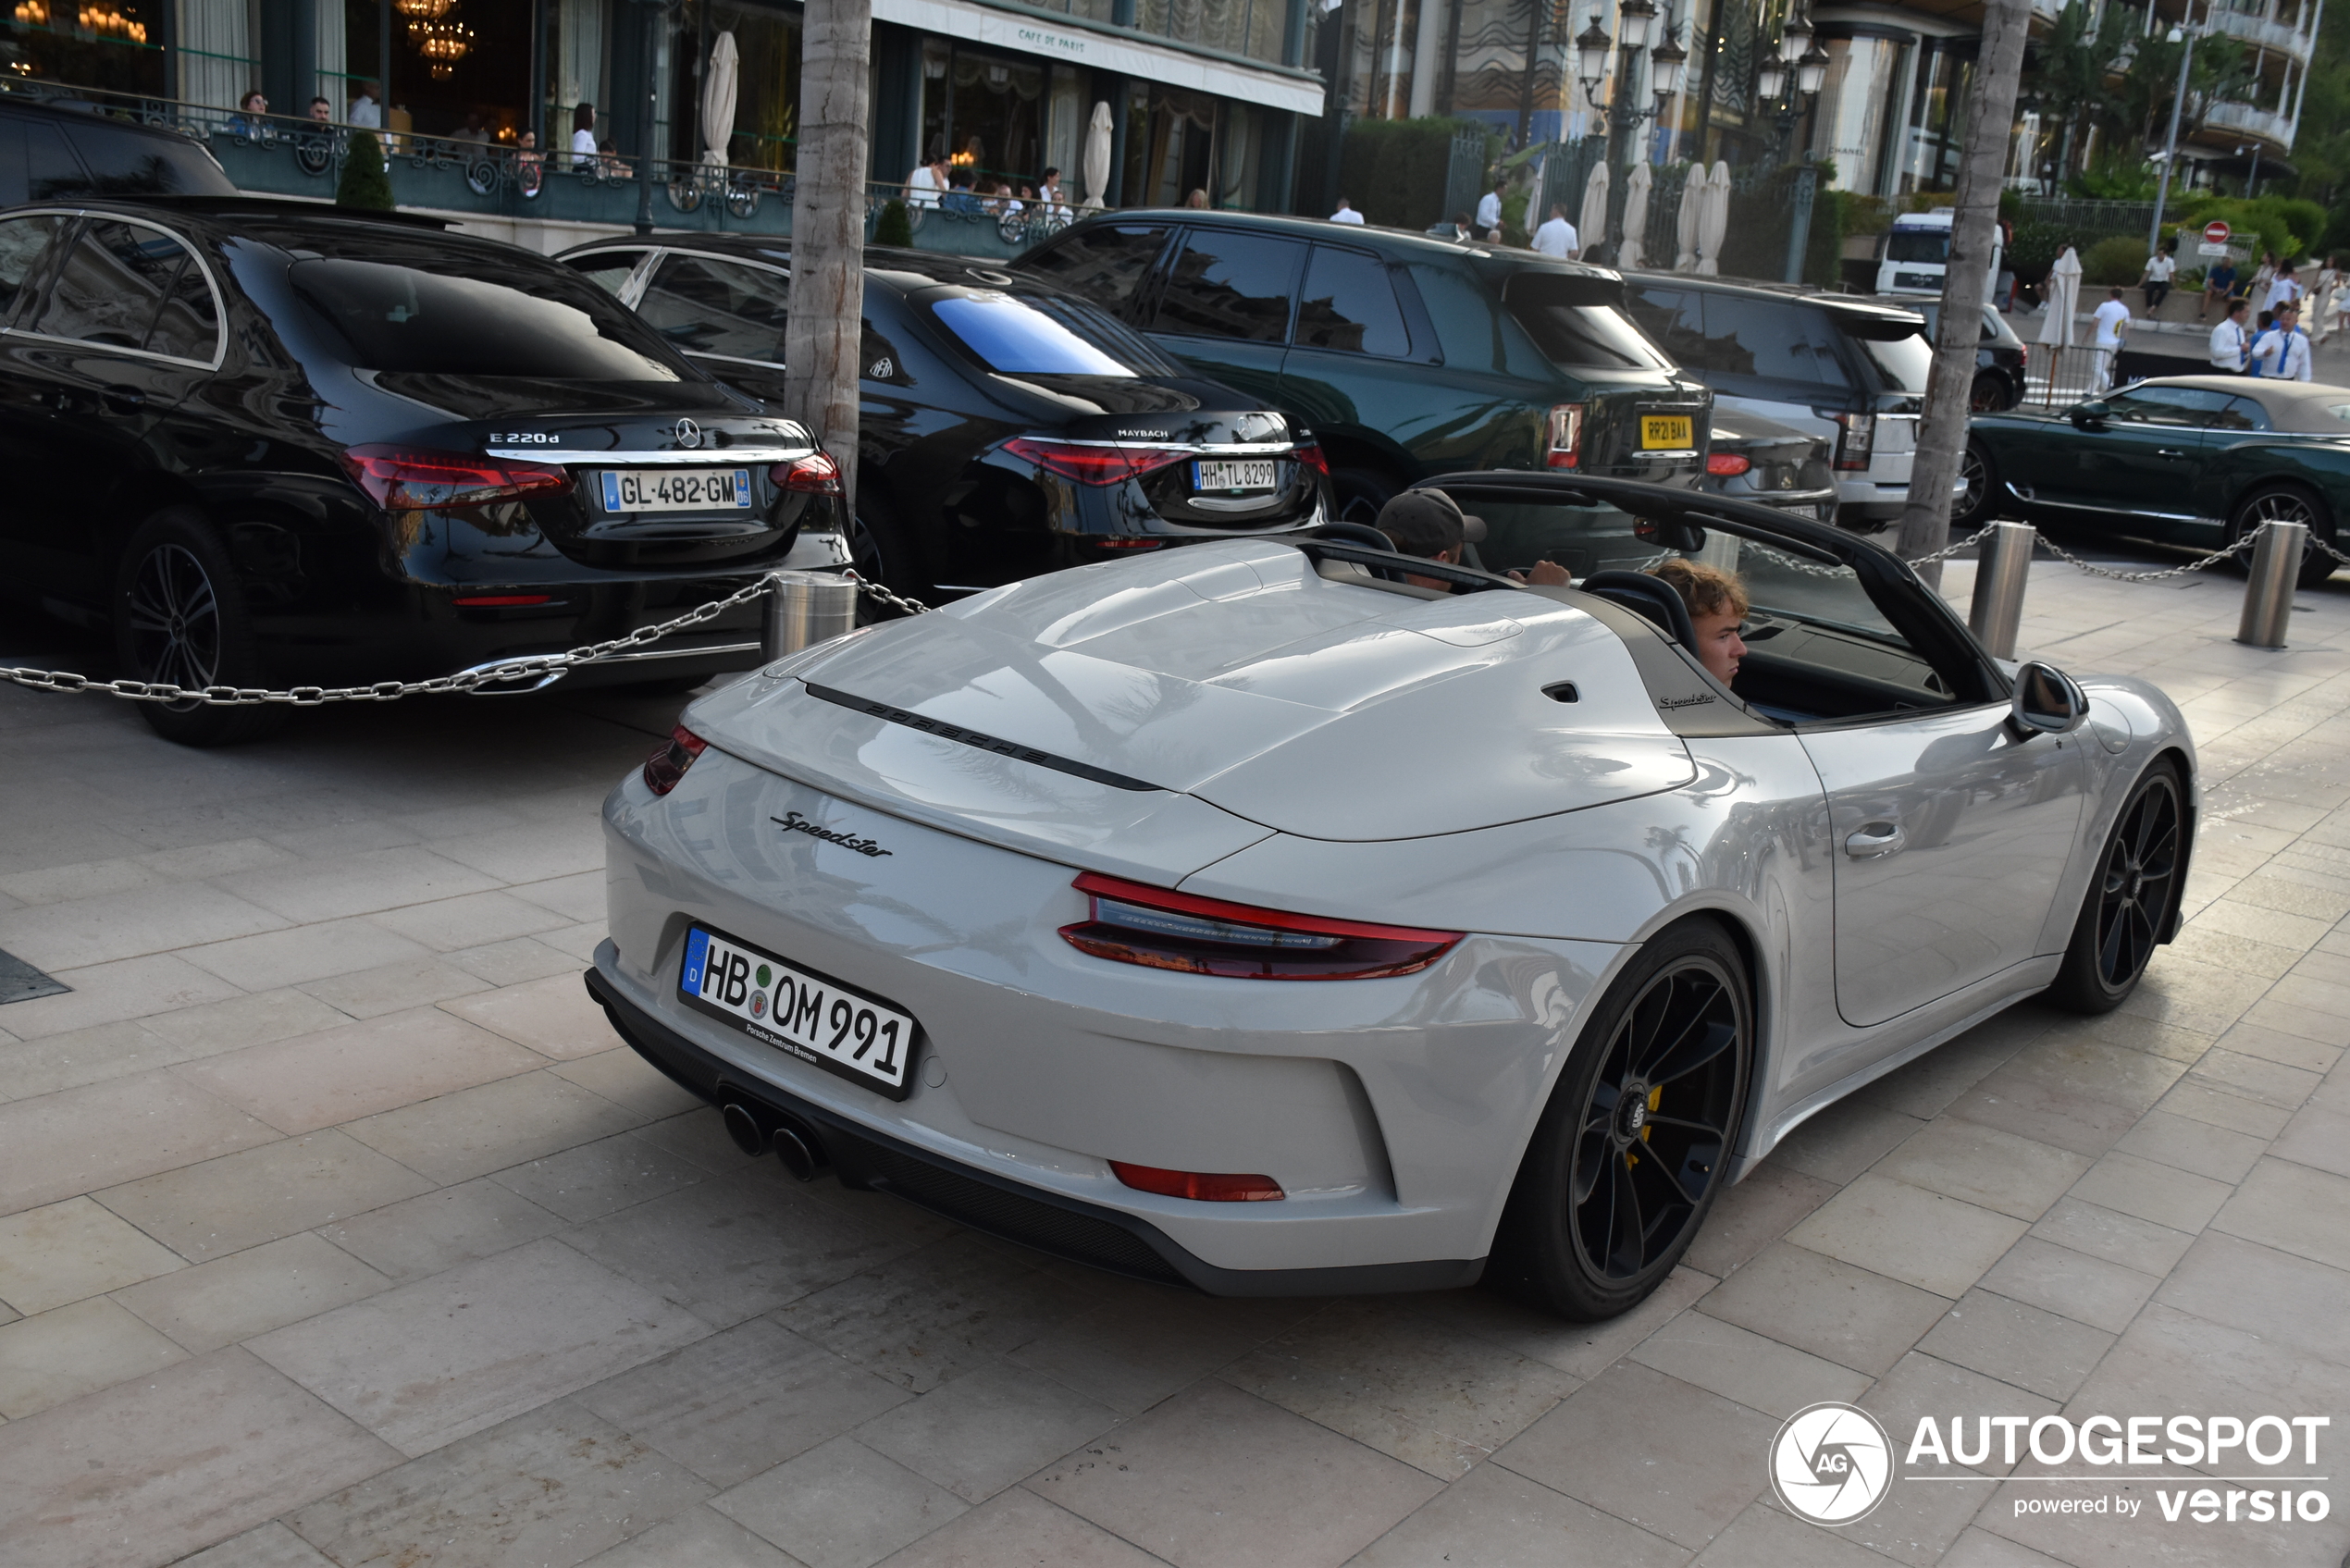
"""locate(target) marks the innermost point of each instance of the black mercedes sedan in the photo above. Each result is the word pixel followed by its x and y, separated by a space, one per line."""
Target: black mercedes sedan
pixel 1006 426
pixel 268 443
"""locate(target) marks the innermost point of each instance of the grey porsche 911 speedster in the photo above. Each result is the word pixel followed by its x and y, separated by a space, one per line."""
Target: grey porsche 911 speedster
pixel 1291 917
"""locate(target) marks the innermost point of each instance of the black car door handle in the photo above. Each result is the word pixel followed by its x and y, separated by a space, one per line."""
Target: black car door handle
pixel 2169 452
pixel 124 400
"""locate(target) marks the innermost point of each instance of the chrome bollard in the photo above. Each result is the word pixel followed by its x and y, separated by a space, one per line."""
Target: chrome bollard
pixel 2268 593
pixel 2000 571
pixel 803 609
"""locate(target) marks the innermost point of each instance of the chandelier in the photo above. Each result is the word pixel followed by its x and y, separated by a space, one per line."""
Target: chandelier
pixel 107 22
pixel 443 44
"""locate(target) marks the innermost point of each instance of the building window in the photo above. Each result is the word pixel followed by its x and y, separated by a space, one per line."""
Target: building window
pixel 986 111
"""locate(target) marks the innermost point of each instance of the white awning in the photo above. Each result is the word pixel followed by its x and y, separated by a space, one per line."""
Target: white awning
pixel 1083 46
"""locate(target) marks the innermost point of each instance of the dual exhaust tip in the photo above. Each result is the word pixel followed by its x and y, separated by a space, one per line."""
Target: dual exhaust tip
pixel 758 1129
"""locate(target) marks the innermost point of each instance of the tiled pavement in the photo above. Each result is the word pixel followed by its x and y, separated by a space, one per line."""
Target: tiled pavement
pixel 334 1227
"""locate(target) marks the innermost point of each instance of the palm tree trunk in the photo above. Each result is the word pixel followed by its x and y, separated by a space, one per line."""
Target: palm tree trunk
pixel 828 228
pixel 1925 519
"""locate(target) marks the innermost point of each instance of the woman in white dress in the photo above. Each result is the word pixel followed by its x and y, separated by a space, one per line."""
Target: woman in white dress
pixel 584 153
pixel 2324 305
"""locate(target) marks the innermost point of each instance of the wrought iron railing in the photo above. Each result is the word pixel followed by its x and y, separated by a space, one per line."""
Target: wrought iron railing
pixel 282 155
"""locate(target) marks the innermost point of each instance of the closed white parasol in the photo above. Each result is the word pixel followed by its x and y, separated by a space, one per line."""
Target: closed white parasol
pixel 1687 223
pixel 1097 157
pixel 718 100
pixel 1713 222
pixel 2064 294
pixel 1635 215
pixel 1591 227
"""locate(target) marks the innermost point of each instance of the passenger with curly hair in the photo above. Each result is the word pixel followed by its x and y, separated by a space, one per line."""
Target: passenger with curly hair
pixel 1717 606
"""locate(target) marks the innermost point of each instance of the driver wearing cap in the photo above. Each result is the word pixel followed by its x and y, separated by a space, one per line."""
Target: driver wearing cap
pixel 1430 526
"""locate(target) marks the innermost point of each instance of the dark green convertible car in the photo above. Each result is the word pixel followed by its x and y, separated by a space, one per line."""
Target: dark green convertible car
pixel 2185 460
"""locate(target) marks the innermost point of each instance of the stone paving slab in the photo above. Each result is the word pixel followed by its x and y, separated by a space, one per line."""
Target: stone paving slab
pixel 336 1227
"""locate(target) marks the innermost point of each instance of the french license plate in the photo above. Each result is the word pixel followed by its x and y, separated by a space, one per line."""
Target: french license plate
pixel 1255 474
pixel 802 1015
pixel 1665 432
pixel 676 489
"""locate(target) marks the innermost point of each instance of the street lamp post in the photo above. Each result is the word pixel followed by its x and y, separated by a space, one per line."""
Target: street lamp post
pixel 1667 61
pixel 2170 144
pixel 1794 76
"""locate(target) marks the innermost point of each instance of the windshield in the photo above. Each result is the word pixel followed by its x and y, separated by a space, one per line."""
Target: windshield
pixel 1580 323
pixel 1043 335
pixel 1917 245
pixel 1818 646
pixel 523 323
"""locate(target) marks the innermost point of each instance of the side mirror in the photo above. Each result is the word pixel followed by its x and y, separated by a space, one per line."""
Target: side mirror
pixel 2091 416
pixel 2048 701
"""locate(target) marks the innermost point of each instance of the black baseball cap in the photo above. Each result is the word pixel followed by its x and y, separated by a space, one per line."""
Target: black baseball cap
pixel 1428 523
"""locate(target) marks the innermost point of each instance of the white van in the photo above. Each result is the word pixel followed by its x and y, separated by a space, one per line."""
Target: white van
pixel 1912 255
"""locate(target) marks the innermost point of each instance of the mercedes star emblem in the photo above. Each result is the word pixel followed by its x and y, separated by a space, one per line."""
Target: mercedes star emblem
pixel 688 434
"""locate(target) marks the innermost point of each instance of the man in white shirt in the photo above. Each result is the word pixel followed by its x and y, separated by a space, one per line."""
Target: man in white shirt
pixel 2229 341
pixel 2286 291
pixel 1489 214
pixel 365 112
pixel 2285 353
pixel 1346 213
pixel 1557 238
pixel 2114 325
pixel 2161 268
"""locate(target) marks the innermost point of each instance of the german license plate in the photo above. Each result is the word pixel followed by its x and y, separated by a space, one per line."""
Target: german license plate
pixel 802 1015
pixel 1665 432
pixel 676 489
pixel 1255 474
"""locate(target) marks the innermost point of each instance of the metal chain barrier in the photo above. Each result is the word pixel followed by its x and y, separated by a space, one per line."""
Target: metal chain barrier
pixel 2239 548
pixel 873 590
pixel 2042 542
pixel 538 667
pixel 527 667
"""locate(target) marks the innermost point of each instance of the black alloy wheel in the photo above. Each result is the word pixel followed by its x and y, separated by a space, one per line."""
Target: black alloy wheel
pixel 173 614
pixel 1975 504
pixel 1990 394
pixel 1633 1147
pixel 2132 899
pixel 2289 503
pixel 180 620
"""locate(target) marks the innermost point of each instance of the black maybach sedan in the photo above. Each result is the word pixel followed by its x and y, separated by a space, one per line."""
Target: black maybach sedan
pixel 268 443
pixel 1006 426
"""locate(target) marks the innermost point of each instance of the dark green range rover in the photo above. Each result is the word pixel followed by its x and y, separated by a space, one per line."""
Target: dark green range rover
pixel 1407 356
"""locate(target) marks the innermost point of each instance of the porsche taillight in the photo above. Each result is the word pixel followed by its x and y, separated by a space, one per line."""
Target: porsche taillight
pixel 1131 922
pixel 417 479
pixel 665 767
